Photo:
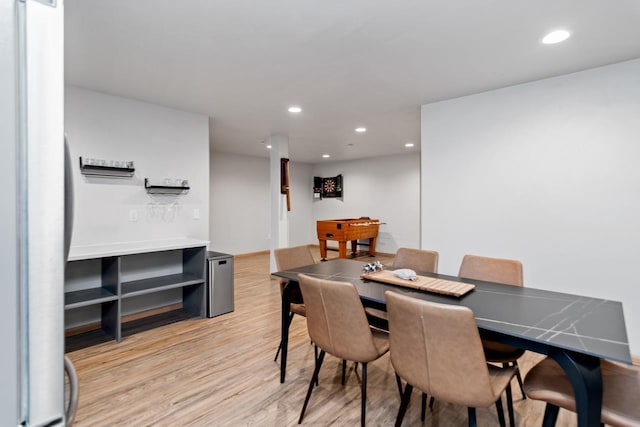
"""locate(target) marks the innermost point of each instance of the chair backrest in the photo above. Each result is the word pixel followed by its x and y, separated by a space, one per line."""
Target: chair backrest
pixel 416 259
pixel 498 270
pixel 290 258
pixel 336 320
pixel 437 348
pixel 293 257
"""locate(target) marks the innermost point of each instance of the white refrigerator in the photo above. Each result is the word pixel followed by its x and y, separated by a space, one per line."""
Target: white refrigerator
pixel 32 213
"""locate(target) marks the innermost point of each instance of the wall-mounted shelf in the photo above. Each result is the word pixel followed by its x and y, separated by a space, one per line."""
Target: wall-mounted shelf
pixel 177 188
pixel 95 167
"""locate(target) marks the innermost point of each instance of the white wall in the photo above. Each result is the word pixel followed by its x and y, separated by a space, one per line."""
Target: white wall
pixel 239 203
pixel 163 143
pixel 545 172
pixel 386 188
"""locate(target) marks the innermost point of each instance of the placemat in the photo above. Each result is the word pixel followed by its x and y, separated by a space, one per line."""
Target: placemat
pixel 423 283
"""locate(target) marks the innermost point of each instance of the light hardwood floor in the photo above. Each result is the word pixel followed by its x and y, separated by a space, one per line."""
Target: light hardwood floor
pixel 220 372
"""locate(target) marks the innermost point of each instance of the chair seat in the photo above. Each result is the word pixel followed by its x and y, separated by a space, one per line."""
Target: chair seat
pixel 299 309
pixel 380 340
pixel 377 318
pixel 500 378
pixel 500 353
pixel 621 387
pixel 376 313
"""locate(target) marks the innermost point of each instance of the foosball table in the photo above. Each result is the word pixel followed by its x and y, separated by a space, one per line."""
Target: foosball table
pixel 347 230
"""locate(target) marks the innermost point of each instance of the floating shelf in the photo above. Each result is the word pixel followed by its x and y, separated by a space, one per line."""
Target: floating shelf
pixel 166 189
pixel 111 168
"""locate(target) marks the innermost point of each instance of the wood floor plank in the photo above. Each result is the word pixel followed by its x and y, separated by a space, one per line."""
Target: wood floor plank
pixel 220 372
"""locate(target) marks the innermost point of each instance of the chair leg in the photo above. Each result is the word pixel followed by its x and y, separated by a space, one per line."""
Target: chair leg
pixel 519 377
pixel 550 415
pixel 512 421
pixel 399 385
pixel 500 411
pixel 315 357
pixel 423 409
pixel 275 359
pixel 406 397
pixel 314 379
pixel 364 395
pixel 472 417
pixel 431 401
pixel 344 370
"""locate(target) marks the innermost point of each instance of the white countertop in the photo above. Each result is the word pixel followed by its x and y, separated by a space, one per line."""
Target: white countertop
pixel 77 253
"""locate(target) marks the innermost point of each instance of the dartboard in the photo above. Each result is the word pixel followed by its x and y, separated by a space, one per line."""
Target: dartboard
pixel 329 186
pixel 332 187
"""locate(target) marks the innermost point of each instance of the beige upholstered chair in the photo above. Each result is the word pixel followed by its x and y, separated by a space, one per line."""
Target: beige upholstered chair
pixel 437 349
pixel 287 259
pixel 620 387
pixel 337 325
pixel 415 259
pixel 498 270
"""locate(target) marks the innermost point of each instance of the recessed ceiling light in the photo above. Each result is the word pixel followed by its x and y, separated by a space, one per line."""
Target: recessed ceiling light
pixel 360 130
pixel 409 144
pixel 556 37
pixel 269 146
pixel 295 109
pixel 326 156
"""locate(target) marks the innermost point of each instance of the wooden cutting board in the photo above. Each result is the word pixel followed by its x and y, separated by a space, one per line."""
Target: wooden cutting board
pixel 423 283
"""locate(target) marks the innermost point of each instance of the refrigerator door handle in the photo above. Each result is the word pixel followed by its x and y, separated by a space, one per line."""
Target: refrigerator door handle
pixel 68 199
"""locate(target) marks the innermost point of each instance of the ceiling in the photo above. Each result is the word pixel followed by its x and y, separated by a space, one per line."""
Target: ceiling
pixel 347 63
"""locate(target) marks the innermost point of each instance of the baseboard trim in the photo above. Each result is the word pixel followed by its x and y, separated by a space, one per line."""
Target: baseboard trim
pixel 248 254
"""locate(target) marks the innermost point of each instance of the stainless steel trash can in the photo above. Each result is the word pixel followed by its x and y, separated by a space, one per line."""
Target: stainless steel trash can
pixel 219 283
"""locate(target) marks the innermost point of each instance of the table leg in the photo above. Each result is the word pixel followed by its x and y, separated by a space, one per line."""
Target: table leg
pixel 585 376
pixel 372 246
pixel 342 249
pixel 354 247
pixel 323 249
pixel 284 336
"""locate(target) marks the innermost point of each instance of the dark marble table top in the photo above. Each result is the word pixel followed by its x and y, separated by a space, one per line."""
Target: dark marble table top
pixel 534 317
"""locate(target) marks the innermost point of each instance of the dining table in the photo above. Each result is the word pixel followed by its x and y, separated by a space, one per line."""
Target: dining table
pixel 576 331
